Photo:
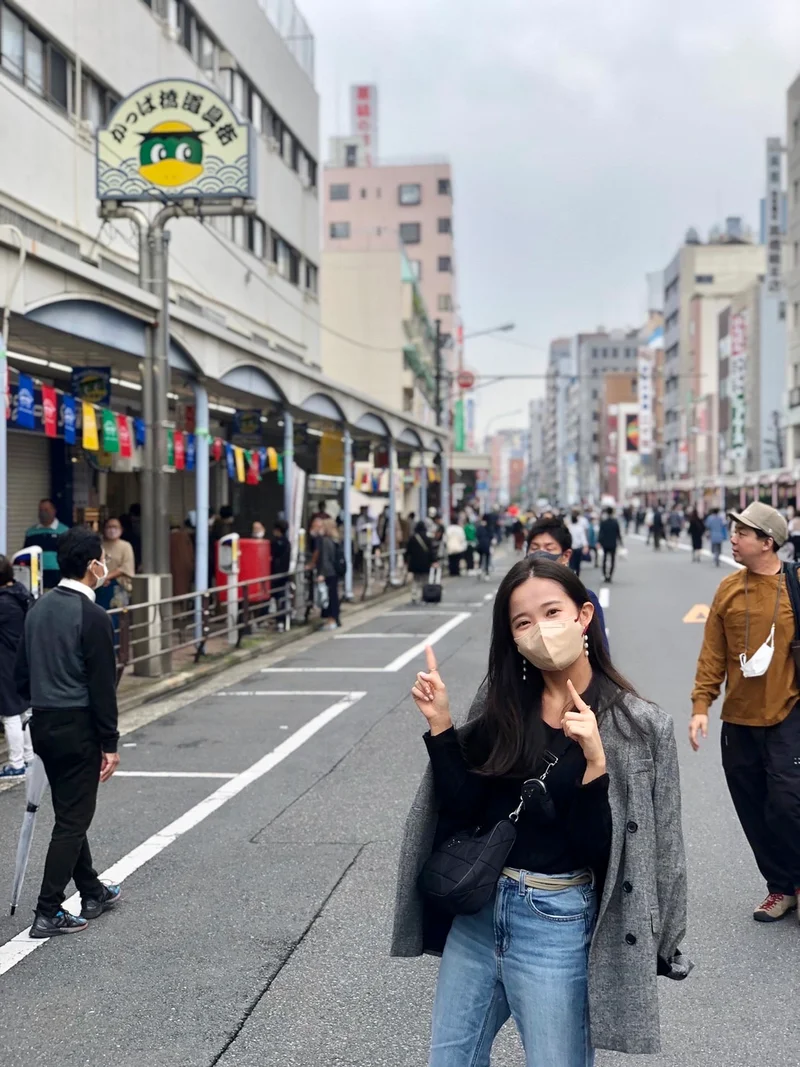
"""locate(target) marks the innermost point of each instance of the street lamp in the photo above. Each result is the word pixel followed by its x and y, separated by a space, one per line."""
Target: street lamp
pixel 495 329
pixel 505 415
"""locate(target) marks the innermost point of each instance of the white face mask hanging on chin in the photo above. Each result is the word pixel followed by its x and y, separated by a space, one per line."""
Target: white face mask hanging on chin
pixel 761 658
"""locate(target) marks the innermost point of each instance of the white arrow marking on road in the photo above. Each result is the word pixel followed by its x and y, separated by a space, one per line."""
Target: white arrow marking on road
pixel 171 774
pixel 604 597
pixel 15 950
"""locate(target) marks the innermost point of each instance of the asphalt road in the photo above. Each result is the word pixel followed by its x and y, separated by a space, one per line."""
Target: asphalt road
pixel 257 906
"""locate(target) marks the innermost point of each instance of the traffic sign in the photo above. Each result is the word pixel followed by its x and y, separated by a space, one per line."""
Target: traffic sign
pixel 466 379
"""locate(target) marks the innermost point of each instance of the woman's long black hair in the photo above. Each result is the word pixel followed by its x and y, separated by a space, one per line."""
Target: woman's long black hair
pixel 509 736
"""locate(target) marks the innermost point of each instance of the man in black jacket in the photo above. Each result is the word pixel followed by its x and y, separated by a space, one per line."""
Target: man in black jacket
pixel 609 538
pixel 66 671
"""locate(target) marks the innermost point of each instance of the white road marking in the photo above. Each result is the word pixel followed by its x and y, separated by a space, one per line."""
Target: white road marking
pixel 171 774
pixel 417 649
pixel 729 560
pixel 489 596
pixel 15 950
pixel 356 637
pixel 322 670
pixel 604 597
pixel 285 693
pixel 397 614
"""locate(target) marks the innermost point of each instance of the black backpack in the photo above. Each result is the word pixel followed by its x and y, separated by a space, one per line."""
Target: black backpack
pixel 339 562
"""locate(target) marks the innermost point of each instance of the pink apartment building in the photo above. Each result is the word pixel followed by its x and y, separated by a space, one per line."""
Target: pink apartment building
pixel 379 207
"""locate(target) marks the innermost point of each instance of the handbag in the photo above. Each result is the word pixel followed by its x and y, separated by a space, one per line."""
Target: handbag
pixel 793 587
pixel 461 875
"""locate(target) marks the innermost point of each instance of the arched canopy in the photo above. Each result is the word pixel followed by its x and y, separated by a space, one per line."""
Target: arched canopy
pixel 101 324
pixel 252 380
pixel 436 445
pixel 324 406
pixel 410 437
pixel 373 424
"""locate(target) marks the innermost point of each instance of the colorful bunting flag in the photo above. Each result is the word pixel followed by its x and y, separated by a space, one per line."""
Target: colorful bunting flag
pixel 229 460
pixel 139 432
pixel 180 450
pixel 280 470
pixel 272 459
pixel 216 449
pixel 89 418
pixel 25 403
pixel 110 438
pixel 69 419
pixel 50 411
pixel 253 469
pixel 239 454
pixel 170 447
pixel 191 451
pixel 124 435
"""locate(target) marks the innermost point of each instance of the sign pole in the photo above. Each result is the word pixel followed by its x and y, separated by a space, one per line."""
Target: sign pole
pixel 4 443
pixel 348 519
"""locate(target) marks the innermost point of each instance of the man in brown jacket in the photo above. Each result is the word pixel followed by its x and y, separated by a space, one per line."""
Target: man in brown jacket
pixel 747 641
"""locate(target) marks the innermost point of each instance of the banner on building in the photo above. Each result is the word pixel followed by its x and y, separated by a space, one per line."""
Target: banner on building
pixel 92 384
pixel 90 439
pixel 646 402
pixel 25 403
pixel 69 419
pixel 247 427
pixel 737 385
pixel 774 204
pixel 110 434
pixel 179 448
pixel 458 426
pixel 50 410
pixel 172 140
pixel 124 435
pixel 191 451
pixel 632 437
pixel 364 118
pixel 239 460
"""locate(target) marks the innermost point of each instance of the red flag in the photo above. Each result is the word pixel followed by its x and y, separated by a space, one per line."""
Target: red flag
pixel 189 418
pixel 253 468
pixel 180 450
pixel 216 449
pixel 124 435
pixel 50 410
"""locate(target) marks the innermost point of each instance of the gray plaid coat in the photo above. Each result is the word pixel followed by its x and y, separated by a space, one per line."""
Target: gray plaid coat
pixel 647 858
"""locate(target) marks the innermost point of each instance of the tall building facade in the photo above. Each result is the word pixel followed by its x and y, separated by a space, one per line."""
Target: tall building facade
pixel 698 272
pixel 536 437
pixel 792 273
pixel 560 372
pixel 379 207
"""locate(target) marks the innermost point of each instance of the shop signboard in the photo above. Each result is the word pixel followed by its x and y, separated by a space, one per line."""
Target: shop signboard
pixel 737 384
pixel 631 433
pixel 92 384
pixel 247 427
pixel 645 398
pixel 175 140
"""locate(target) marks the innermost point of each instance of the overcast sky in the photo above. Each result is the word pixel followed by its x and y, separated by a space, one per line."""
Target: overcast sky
pixel 585 139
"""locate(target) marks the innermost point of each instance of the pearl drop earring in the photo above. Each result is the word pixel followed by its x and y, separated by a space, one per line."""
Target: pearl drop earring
pixel 586 644
pixel 524 669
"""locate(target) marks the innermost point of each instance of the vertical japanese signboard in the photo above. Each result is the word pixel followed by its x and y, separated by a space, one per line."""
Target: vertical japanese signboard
pixel 172 140
pixel 737 384
pixel 645 398
pixel 364 118
pixel 774 228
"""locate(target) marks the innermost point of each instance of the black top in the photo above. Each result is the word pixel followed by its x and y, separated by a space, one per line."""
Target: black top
pixel 14 603
pixel 609 534
pixel 66 660
pixel 419 554
pixel 578 837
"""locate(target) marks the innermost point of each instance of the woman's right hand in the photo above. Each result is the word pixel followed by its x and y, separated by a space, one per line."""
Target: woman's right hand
pixel 430 695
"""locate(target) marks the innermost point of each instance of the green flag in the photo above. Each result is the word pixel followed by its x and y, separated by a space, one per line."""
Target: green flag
pixel 110 433
pixel 458 426
pixel 280 470
pixel 170 448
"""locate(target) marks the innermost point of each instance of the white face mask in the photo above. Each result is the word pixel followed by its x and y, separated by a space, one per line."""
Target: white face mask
pixel 112 533
pixel 102 578
pixel 761 658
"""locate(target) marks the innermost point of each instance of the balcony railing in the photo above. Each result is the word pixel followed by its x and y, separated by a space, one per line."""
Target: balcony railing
pixel 293 30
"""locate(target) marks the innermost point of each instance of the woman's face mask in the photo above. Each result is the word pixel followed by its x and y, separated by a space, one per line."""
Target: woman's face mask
pixel 552 646
pixel 113 532
pixel 101 577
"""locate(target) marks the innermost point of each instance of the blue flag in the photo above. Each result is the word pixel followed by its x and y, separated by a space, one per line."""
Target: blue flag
pixel 25 403
pixel 191 452
pixel 139 432
pixel 230 459
pixel 69 419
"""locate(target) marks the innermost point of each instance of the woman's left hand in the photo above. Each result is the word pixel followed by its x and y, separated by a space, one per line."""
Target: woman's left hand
pixel 580 725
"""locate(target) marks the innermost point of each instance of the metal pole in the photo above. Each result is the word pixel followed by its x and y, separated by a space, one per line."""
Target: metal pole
pixel 4 386
pixel 392 510
pixel 202 476
pixel 348 520
pixel 445 461
pixel 288 469
pixel 423 492
pixel 160 252
pixel 438 373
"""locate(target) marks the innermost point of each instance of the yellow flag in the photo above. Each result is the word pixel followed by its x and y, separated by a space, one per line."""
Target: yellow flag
pixel 272 459
pixel 90 440
pixel 239 455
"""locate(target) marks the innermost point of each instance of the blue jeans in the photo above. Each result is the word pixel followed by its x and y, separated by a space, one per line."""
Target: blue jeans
pixel 526 955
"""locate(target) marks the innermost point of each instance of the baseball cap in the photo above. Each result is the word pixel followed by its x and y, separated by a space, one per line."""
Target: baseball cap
pixel 763 518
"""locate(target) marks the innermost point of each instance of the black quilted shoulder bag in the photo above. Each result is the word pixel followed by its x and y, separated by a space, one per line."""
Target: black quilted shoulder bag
pixel 460 875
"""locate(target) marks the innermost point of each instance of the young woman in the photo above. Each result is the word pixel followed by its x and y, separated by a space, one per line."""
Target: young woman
pixel 592 902
pixel 697 531
pixel 327 572
pixel 14 603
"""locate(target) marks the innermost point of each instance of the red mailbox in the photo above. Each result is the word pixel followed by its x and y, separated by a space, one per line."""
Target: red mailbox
pixel 255 561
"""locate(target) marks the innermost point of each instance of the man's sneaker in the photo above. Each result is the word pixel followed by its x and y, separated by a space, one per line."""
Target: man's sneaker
pixel 775 907
pixel 12 772
pixel 60 923
pixel 93 907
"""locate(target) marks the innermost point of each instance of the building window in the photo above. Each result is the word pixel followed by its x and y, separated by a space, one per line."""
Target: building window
pixel 409 195
pixel 416 269
pixel 34 62
pixel 796 254
pixel 350 155
pixel 339 229
pixel 340 192
pixel 796 129
pixel 257 237
pixel 58 80
pixel 795 315
pixel 445 226
pixel 444 302
pixel 312 278
pixel 294 266
pixel 410 233
pixel 13 42
pixel 703 279
pixel 443 186
pixel 796 188
pixel 363 194
pixel 256 109
pixel 445 265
